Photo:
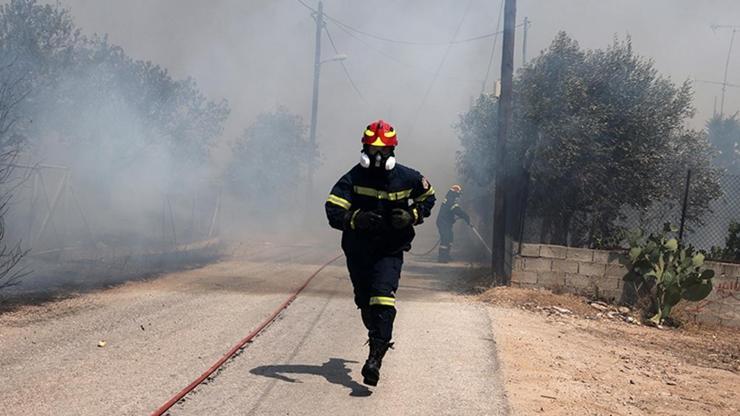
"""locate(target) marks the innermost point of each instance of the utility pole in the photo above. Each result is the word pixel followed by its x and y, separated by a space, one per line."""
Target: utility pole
pixel 504 126
pixel 319 17
pixel 524 40
pixel 714 109
pixel 724 87
pixel 724 80
pixel 727 63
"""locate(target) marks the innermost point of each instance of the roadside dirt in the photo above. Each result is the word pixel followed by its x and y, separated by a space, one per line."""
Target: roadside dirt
pixel 571 360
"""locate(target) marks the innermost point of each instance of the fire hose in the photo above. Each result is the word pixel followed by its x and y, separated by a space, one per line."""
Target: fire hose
pixel 239 345
pixel 477 234
pixel 426 252
pixel 475 231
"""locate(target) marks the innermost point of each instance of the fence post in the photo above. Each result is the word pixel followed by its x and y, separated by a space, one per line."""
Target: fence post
pixel 685 204
pixel 523 206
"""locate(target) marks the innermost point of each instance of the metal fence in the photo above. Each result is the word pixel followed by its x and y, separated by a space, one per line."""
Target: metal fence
pixel 50 212
pixel 714 229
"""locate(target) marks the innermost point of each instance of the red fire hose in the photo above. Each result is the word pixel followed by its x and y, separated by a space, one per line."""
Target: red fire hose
pixel 162 409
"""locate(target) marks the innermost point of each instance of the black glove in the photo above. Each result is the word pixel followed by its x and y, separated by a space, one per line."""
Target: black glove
pixel 367 220
pixel 401 218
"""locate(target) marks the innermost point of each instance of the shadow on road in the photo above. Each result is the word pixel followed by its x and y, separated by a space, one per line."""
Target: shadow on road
pixel 334 371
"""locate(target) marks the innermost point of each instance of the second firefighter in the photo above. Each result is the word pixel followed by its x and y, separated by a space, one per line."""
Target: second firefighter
pixel 449 212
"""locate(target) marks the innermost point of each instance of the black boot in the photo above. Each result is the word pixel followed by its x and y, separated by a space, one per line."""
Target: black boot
pixel 444 254
pixel 371 369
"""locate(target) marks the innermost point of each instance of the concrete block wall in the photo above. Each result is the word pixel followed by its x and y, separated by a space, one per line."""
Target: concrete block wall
pixel 722 306
pixel 576 270
pixel 599 273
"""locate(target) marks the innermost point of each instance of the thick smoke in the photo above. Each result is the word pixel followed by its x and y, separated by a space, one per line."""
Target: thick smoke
pixel 258 56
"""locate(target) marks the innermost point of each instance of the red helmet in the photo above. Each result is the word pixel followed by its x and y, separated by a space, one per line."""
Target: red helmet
pixel 380 133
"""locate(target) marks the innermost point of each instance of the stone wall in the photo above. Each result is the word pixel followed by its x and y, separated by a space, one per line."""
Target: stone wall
pixel 598 273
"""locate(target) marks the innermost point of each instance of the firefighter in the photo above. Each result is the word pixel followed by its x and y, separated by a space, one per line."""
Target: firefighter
pixel 376 206
pixel 449 212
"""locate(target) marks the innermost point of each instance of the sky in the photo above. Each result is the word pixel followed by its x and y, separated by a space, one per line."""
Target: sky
pixel 259 55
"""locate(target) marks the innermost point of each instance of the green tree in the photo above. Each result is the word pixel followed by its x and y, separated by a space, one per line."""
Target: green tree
pixel 724 134
pixel 599 131
pixel 94 96
pixel 270 161
pixel 731 250
pixel 476 129
pixel 116 121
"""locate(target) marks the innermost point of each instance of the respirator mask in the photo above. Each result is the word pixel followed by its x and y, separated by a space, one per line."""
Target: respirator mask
pixel 377 157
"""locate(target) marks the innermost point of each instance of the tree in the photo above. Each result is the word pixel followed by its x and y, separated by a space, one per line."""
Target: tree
pixel 37 42
pixel 78 85
pixel 12 92
pixel 84 103
pixel 270 161
pixel 598 131
pixel 724 135
pixel 15 87
pixel 476 128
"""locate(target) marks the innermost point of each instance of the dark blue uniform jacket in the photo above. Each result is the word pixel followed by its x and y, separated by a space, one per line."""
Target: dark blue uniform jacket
pixel 369 190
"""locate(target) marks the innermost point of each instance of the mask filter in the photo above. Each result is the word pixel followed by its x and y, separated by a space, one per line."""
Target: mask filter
pixel 364 160
pixel 390 163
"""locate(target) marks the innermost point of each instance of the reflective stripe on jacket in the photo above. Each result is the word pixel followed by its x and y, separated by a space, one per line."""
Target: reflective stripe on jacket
pixel 363 189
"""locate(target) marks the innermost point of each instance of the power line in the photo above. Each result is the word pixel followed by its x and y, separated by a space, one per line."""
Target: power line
pixel 400 41
pixel 349 31
pixel 410 42
pixel 493 47
pixel 717 83
pixel 306 5
pixel 439 67
pixel 344 67
pixel 400 62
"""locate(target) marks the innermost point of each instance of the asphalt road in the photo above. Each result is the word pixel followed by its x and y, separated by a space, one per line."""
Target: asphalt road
pixel 161 334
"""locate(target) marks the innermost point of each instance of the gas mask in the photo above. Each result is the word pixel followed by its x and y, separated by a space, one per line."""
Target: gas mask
pixel 377 157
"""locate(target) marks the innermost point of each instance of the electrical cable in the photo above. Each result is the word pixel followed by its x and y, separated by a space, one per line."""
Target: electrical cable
pixel 493 48
pixel 399 41
pixel 344 67
pixel 717 83
pixel 348 30
pixel 400 62
pixel 439 68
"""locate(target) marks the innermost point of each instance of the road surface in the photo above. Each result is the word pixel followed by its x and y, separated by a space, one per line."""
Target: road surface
pixel 161 334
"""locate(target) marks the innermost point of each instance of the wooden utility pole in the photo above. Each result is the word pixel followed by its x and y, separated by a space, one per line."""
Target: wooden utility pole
pixel 735 29
pixel 724 80
pixel 504 127
pixel 319 17
pixel 525 28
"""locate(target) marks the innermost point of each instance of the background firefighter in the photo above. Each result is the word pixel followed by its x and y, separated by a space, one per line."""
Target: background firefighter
pixel 376 205
pixel 449 212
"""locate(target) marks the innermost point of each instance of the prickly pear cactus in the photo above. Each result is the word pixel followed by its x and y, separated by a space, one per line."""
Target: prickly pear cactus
pixel 677 272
